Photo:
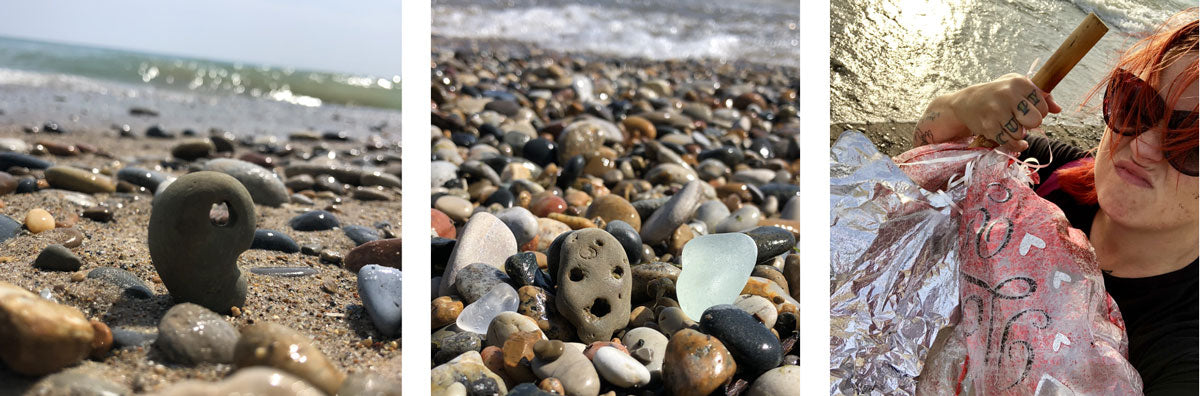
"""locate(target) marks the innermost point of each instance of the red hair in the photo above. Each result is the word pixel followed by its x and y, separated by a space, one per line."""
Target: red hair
pixel 1171 42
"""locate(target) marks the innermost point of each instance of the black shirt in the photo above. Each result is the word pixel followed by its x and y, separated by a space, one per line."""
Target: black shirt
pixel 1162 313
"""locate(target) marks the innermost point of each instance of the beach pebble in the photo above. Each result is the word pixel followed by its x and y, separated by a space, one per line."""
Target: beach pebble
pixel 457 208
pixel 484 239
pixel 57 258
pixel 274 240
pixel 477 316
pixel 466 370
pixel 264 187
pixel 129 283
pixel 791 272
pixel 673 213
pixel 191 334
pixel 274 345
pixel 130 338
pixel 8 228
pixel 385 252
pixel 445 311
pixel 41 336
pixel 521 222
pixel 649 346
pixel 715 270
pixel 612 208
pixel 314 220
pixel 791 210
pixel 371 194
pixel 538 304
pixel 77 383
pixel 740 220
pixel 645 274
pixel 455 344
pixel 772 273
pixel 13 145
pixel 38 221
pixel 441 224
pixel 379 288
pixel 629 239
pixel 67 237
pixel 522 269
pixel 248 381
pixel 758 307
pixel 752 345
pixel 75 179
pixel 10 159
pixel 696 364
pixel 196 259
pixel 8 183
pixel 101 214
pixel 193 149
pixel 771 241
pixel 142 177
pixel 360 234
pixel 576 373
pixel 620 369
pixel 548 231
pixel 777 382
pixel 477 279
pixel 594 284
pixel 380 179
pixel 545 204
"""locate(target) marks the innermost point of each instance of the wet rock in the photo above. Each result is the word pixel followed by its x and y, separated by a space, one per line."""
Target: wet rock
pixel 771 241
pixel 465 370
pixel 101 214
pixel 696 364
pixel 360 234
pixel 274 240
pixel 506 324
pixel 75 179
pixel 445 311
pixel 752 345
pixel 264 187
pixel 57 258
pixel 385 252
pixel 379 288
pixel 276 346
pixel 314 220
pixel 594 284
pixel 522 269
pixel 477 279
pixel 577 374
pixel 196 259
pixel 191 334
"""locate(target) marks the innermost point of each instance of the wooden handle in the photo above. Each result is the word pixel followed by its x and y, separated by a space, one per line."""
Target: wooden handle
pixel 1062 61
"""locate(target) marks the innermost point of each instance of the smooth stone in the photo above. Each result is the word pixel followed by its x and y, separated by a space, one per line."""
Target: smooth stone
pixel 439 252
pixel 650 344
pixel 360 234
pixel 540 151
pixel 442 172
pixel 444 311
pixel 129 338
pixel 548 231
pixel 41 336
pixel 300 199
pixel 771 241
pixel 711 169
pixel 273 345
pixel 506 324
pixel 791 210
pixel 524 225
pixel 544 205
pixel 578 138
pixel 484 239
pixel 467 368
pixel 620 369
pixel 715 270
pixel 672 320
pixel 756 177
pixel 571 171
pixel 196 259
pixel 501 197
pixel 696 364
pixel 26 185
pixel 772 273
pixel 770 290
pixel 669 173
pixel 782 191
pixel 274 240
pixel 522 269
pixel 645 274
pixel 193 149
pixel 594 284
pixel 300 182
pixel 370 194
pixel 68 237
pixel 76 383
pixel 263 381
pixel 385 252
pixel 262 184
pixel 11 159
pixel 740 220
pixel 476 316
pixel 13 145
pixel 456 344
pixel 369 384
pixel 379 288
pixel 284 271
pixel 8 228
pixel 57 258
pixel 380 179
pixel 8 183
pixel 38 220
pixel 752 345
pixel 457 208
pixel 343 174
pixel 75 179
pixel 441 224
pixel 758 307
pixel 612 208
pixel 791 272
pixel 191 334
pixel 101 214
pixel 129 283
pixel 712 213
pixel 577 374
pixel 672 214
pixel 477 279
pixel 314 220
pixel 157 131
pixel 777 381
pixel 628 238
pixel 529 389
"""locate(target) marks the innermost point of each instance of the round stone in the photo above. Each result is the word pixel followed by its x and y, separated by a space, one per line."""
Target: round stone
pixel 649 346
pixel 771 241
pixel 613 208
pixel 101 214
pixel 41 336
pixel 777 381
pixel 577 374
pixel 315 220
pixel 457 208
pixel 484 239
pixel 620 369
pixel 445 311
pixel 191 334
pixel 696 364
pixel 274 240
pixel 760 308
pixel 752 345
pixel 594 284
pixel 193 149
pixel 506 324
pixel 39 220
pixel 273 345
pixel 263 186
pixel 523 224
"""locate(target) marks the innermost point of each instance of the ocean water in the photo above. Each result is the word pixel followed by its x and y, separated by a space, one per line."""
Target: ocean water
pixel 25 62
pixel 890 57
pixel 760 31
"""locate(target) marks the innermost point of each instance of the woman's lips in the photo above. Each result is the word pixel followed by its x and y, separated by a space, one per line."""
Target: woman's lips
pixel 1133 174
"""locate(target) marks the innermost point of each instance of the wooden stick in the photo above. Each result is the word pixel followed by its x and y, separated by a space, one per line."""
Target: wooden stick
pixel 1068 54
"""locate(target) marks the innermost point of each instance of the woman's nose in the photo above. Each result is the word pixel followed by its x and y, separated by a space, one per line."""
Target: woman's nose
pixel 1147 147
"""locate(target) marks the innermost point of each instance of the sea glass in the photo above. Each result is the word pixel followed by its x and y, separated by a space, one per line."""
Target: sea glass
pixel 476 316
pixel 715 270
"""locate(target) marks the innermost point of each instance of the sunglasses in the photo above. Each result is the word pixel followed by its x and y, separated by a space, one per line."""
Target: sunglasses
pixel 1132 106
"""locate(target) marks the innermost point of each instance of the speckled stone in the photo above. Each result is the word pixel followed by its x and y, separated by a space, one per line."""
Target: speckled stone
pixel 522 269
pixel 644 274
pixel 191 334
pixel 696 364
pixel 273 345
pixel 594 284
pixel 196 259
pixel 752 345
pixel 445 310
pixel 465 370
pixel 538 304
pixel 475 280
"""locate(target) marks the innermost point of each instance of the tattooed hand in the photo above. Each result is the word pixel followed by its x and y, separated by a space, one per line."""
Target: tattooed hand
pixel 1000 110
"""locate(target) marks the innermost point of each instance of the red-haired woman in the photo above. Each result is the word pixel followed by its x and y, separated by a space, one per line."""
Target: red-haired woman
pixel 1137 195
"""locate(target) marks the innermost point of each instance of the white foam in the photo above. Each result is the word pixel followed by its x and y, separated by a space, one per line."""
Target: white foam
pixel 1132 16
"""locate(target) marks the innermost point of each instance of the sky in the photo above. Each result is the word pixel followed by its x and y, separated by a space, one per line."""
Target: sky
pixel 350 36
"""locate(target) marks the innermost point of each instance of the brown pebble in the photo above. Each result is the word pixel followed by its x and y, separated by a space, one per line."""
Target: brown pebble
pixel 548 349
pixel 552 385
pixel 102 340
pixel 99 213
pixel 329 286
pixel 575 222
pixel 39 220
pixel 330 256
pixel 681 236
pixel 68 237
pixel 78 276
pixel 445 311
pixel 235 311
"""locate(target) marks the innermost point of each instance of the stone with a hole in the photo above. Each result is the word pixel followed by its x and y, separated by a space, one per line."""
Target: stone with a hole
pixel 595 284
pixel 199 225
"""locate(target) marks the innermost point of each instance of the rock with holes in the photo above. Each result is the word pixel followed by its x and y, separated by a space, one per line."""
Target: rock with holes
pixel 195 258
pixel 594 284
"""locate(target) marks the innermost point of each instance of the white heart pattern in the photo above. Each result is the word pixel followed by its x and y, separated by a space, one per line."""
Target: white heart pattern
pixel 1031 240
pixel 1060 340
pixel 1059 278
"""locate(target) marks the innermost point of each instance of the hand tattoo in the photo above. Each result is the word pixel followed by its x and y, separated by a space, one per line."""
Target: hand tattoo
pixel 923 137
pixel 1011 125
pixel 1034 98
pixel 1000 137
pixel 1023 107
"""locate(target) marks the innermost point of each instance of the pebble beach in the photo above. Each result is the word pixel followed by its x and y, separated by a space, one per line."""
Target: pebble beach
pixel 285 278
pixel 612 225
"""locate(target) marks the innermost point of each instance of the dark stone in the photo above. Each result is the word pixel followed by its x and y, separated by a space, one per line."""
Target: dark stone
pixel 463 139
pixel 128 282
pixel 311 249
pixel 763 147
pixel 440 249
pixel 528 389
pixel 457 344
pixel 508 108
pixel 360 234
pixel 782 192
pixel 787 324
pixel 156 131
pixel 26 185
pixel 490 130
pixel 274 240
pixel 316 220
pixel 771 241
pixel 730 156
pixel 53 127
pixel 540 151
pixel 646 207
pixel 385 252
pixel 501 196
pixel 101 214
pixel 571 171
pixel 629 238
pixel 752 345
pixel 129 338
pixel 223 144
pixel 339 136
pixel 57 258
pixel 328 183
pixel 522 268
pixel 10 159
pixel 475 280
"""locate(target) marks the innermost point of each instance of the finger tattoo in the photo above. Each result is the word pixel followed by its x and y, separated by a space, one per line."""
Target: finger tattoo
pixel 1023 106
pixel 1000 137
pixel 1034 97
pixel 1011 125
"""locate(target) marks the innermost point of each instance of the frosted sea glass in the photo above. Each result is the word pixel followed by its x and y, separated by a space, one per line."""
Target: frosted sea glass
pixel 476 316
pixel 715 270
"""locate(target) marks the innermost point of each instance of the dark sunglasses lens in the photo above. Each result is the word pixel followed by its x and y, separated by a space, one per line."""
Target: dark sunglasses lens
pixel 1181 120
pixel 1131 106
pixel 1186 162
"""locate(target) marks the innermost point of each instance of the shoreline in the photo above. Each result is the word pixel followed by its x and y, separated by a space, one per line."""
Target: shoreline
pixel 895 137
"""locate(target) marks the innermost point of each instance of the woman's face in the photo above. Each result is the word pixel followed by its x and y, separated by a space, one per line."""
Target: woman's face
pixel 1135 185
